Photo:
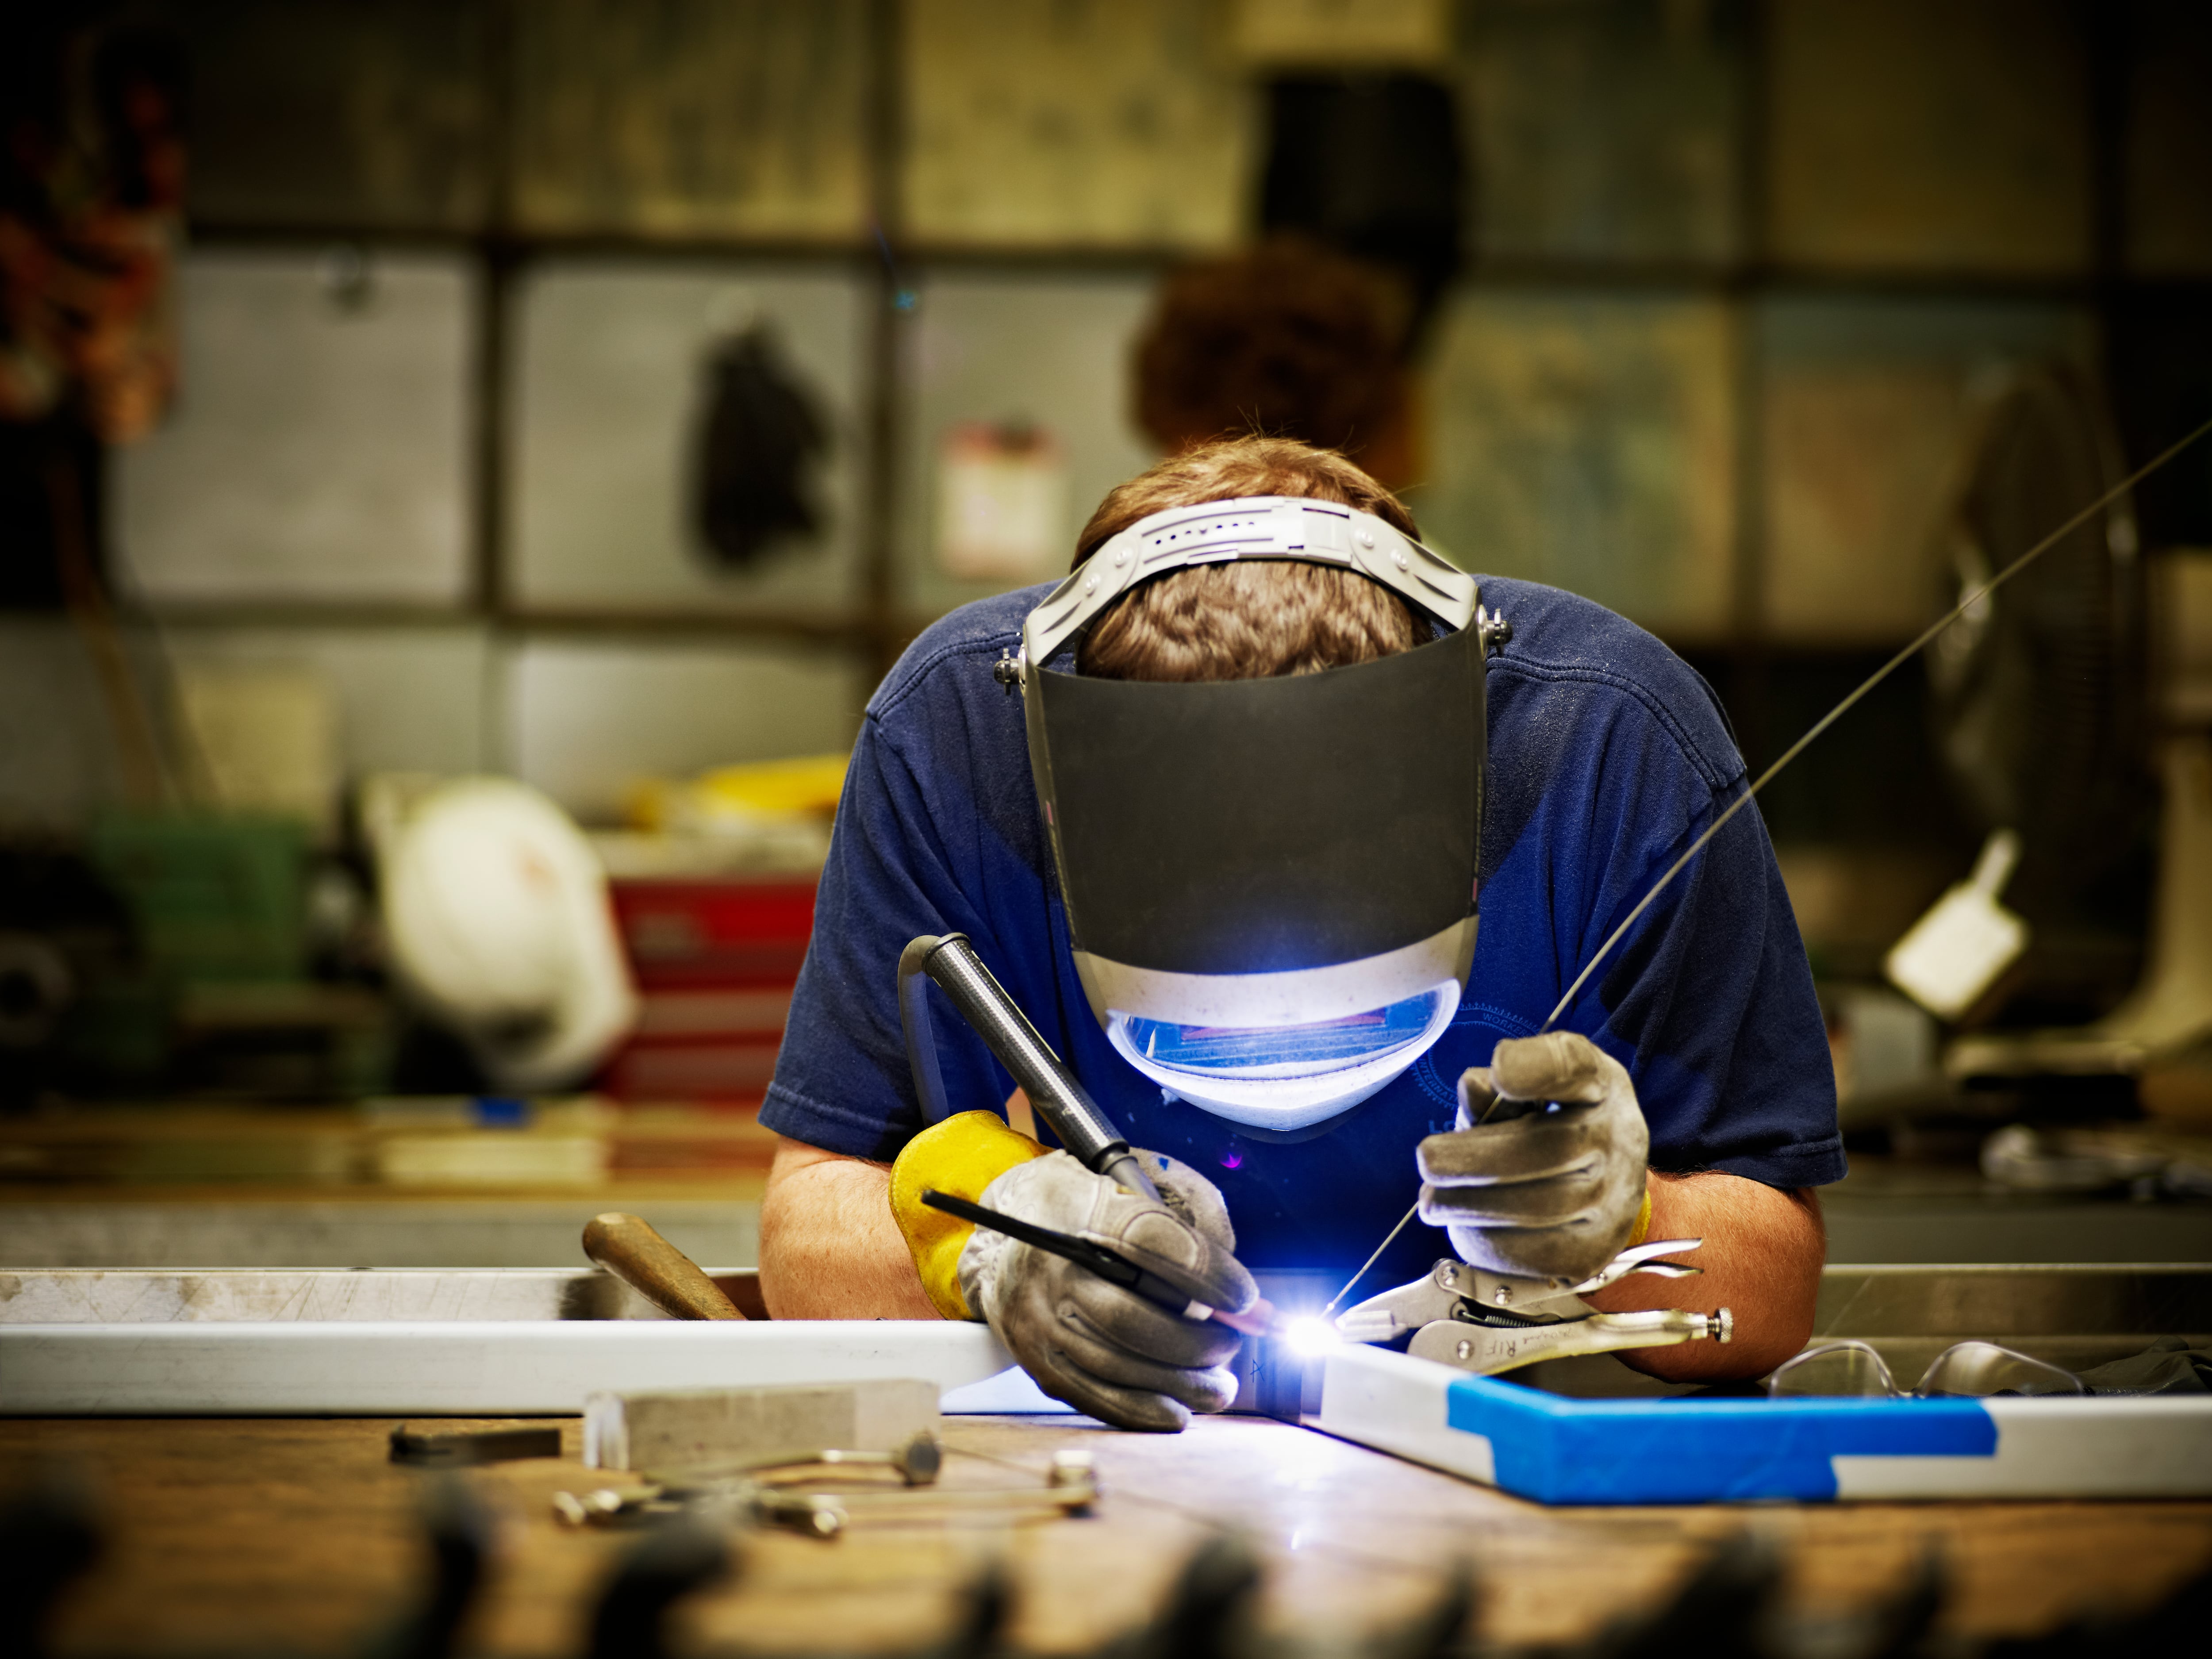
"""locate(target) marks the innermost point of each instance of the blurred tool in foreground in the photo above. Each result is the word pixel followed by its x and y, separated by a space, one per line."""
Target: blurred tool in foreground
pixel 1732 1598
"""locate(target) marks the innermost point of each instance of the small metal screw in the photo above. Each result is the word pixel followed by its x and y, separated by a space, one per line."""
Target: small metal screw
pixel 1502 1297
pixel 917 1461
pixel 1071 1467
pixel 1398 559
pixel 1367 539
pixel 1091 584
pixel 1465 1350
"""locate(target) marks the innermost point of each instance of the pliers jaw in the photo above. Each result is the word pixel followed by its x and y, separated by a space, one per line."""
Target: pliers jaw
pixel 1452 1290
pixel 1485 1322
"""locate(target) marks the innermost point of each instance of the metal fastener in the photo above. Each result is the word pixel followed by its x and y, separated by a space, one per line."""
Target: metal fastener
pixel 1071 1467
pixel 1465 1350
pixel 917 1461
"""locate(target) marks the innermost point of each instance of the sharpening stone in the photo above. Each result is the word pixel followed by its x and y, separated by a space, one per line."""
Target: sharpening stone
pixel 700 1428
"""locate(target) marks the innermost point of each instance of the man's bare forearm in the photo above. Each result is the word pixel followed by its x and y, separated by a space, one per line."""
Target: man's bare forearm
pixel 828 1247
pixel 1762 1256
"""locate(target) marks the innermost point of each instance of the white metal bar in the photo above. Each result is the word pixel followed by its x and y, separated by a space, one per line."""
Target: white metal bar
pixel 476 1368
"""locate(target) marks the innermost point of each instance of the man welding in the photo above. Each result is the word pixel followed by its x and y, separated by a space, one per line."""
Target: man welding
pixel 1222 813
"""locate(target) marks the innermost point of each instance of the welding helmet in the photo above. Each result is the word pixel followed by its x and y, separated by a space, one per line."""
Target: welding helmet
pixel 1270 883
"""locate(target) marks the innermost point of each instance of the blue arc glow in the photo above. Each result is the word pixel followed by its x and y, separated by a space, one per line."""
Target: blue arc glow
pixel 1284 1077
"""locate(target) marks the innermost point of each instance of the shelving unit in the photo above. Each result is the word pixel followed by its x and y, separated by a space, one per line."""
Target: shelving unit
pixel 1736 56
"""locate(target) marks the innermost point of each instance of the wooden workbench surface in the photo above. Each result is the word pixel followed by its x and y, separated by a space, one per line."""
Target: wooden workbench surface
pixel 262 1533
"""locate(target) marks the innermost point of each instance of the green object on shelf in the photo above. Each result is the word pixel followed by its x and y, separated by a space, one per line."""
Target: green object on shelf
pixel 118 1033
pixel 216 895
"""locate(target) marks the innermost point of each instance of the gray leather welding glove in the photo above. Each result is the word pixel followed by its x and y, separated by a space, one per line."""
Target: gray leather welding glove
pixel 1103 1349
pixel 1544 1174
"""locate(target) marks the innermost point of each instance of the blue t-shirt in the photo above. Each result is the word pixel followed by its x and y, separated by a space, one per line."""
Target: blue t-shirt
pixel 1608 755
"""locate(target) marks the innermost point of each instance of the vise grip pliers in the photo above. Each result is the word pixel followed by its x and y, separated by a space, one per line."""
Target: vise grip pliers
pixel 1483 1321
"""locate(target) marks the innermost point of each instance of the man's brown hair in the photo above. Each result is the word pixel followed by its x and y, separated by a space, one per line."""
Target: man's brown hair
pixel 1244 619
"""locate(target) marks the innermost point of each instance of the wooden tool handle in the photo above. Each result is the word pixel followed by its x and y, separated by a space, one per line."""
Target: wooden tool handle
pixel 630 1250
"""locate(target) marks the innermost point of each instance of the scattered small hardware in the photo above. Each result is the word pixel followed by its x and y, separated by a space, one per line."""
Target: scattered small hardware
pixel 753 1496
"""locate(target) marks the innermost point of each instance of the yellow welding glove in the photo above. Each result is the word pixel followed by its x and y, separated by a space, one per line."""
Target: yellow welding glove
pixel 960 1156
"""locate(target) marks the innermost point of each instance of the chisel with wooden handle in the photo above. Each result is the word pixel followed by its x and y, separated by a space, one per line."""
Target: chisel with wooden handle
pixel 630 1250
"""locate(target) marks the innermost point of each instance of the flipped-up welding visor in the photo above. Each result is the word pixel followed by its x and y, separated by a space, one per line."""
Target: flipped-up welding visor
pixel 1270 882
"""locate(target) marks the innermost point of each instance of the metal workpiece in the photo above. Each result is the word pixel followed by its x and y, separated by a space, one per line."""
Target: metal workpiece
pixel 1483 1321
pixel 325 1295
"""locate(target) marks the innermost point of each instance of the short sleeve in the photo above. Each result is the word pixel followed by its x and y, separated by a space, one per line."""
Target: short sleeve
pixel 1709 997
pixel 935 833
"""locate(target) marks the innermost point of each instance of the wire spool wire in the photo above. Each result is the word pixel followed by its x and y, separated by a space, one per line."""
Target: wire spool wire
pixel 1976 596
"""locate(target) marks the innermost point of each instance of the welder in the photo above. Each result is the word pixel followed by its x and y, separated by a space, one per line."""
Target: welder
pixel 1289 836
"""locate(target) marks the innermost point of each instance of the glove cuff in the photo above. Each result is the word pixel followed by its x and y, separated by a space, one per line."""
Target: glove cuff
pixel 960 1156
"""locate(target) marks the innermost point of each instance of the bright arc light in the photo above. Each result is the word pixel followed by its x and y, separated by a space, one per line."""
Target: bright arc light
pixel 1310 1336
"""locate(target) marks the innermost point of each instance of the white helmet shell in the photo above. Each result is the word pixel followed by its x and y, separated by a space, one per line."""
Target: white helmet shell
pixel 497 910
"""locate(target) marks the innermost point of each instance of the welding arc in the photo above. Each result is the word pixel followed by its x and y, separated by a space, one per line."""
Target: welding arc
pixel 1798 747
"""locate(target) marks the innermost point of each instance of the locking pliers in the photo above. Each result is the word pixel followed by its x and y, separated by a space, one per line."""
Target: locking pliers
pixel 1483 1321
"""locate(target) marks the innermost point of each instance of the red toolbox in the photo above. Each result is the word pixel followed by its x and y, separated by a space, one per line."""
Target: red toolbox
pixel 714 959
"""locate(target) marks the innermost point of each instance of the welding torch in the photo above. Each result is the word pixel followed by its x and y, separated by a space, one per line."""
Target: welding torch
pixel 1260 1320
pixel 1067 1108
pixel 1058 1099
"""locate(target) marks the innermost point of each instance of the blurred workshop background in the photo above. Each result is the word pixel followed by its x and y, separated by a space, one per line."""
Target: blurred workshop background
pixel 399 397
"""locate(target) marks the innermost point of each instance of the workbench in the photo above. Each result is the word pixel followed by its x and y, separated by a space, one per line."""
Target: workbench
pixel 299 1534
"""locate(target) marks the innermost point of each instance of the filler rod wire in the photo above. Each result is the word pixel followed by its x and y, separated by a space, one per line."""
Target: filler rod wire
pixel 1370 1260
pixel 1798 747
pixel 1869 684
